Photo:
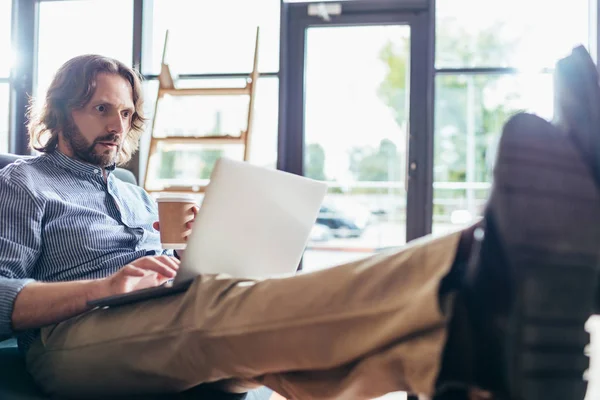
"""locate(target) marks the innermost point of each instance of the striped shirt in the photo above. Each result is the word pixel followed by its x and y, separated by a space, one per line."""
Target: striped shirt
pixel 60 221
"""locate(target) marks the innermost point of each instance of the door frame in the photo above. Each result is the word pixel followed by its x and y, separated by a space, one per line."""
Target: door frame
pixel 416 14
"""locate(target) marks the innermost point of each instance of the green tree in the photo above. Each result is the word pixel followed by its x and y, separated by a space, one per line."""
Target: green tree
pixel 171 163
pixel 381 164
pixel 314 162
pixel 393 89
pixel 208 158
pixel 170 169
pixel 459 104
pixel 167 165
pixel 465 124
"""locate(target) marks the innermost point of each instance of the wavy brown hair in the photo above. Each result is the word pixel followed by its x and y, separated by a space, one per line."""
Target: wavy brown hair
pixel 72 88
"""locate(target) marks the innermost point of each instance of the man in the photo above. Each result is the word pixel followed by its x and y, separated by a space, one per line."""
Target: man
pixel 518 292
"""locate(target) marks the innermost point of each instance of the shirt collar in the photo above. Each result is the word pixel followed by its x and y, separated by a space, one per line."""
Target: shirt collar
pixel 73 165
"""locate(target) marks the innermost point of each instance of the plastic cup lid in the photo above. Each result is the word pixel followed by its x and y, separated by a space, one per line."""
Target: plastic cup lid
pixel 176 198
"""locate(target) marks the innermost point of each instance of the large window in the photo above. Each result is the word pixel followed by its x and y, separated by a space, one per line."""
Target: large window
pixel 5 48
pixel 208 36
pixel 488 68
pixel 210 44
pixel 5 66
pixel 71 28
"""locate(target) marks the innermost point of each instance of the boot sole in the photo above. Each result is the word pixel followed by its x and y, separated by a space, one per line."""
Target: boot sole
pixel 545 208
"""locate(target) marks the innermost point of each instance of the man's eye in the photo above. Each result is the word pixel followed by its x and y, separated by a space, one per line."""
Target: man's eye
pixel 126 114
pixel 101 108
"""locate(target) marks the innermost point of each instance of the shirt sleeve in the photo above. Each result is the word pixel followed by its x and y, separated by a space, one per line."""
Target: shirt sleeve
pixel 20 245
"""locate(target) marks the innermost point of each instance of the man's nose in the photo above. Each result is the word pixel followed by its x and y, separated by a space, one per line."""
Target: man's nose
pixel 117 124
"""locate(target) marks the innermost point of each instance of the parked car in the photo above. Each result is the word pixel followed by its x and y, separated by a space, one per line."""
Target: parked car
pixel 340 225
pixel 320 233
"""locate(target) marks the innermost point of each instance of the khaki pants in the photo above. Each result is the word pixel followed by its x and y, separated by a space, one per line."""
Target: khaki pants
pixel 355 331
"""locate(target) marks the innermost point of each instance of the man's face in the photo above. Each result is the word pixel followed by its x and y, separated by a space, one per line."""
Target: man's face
pixel 98 129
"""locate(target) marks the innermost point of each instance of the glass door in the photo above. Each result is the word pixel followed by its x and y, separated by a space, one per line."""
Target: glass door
pixel 355 129
pixel 353 118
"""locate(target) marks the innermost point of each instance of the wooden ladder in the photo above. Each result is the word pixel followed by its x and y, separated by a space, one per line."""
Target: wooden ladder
pixel 167 87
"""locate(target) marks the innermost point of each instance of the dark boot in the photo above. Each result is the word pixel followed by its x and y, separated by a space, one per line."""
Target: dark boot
pixel 532 284
pixel 577 104
pixel 532 281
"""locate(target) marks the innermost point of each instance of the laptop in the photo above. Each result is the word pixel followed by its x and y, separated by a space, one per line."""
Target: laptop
pixel 254 222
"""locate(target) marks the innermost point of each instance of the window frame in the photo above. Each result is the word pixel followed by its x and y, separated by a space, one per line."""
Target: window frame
pixel 6 80
pixel 23 34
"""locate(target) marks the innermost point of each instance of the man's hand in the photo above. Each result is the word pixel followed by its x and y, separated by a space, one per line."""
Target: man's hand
pixel 40 303
pixel 143 273
pixel 191 217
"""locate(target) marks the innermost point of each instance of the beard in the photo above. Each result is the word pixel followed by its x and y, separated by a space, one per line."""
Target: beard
pixel 85 151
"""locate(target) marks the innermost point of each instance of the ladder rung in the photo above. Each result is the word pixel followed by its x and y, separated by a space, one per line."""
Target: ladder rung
pixel 202 139
pixel 205 91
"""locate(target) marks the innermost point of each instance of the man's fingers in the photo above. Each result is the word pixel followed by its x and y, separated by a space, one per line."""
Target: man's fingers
pixel 170 261
pixel 191 213
pixel 163 265
pixel 132 270
pixel 188 224
pixel 152 279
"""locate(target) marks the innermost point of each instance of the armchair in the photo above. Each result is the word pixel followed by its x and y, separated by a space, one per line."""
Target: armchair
pixel 17 384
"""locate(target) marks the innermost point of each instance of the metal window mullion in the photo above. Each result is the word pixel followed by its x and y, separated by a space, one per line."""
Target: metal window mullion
pixel 136 62
pixel 24 38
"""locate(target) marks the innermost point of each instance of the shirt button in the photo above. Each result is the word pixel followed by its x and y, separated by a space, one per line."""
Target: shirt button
pixel 97 171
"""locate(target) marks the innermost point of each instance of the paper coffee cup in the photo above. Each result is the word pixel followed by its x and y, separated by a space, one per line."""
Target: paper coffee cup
pixel 173 213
